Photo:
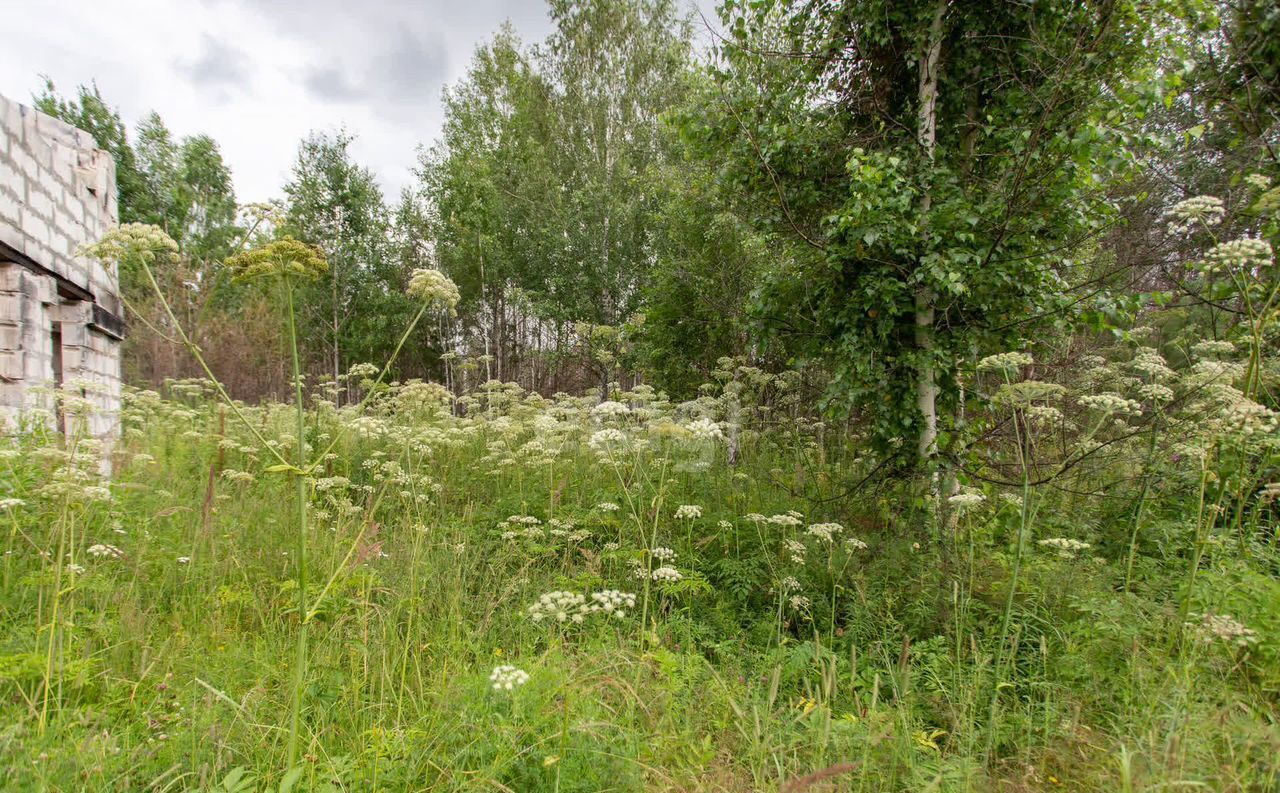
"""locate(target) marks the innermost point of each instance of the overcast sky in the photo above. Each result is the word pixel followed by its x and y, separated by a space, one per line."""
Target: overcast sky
pixel 257 75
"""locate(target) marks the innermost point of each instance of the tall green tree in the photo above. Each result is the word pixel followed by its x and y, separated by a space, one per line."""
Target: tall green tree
pixel 356 311
pixel 617 68
pixel 935 165
pixel 495 200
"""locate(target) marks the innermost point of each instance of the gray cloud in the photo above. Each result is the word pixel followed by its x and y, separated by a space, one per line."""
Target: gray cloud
pixel 398 82
pixel 330 83
pixel 219 68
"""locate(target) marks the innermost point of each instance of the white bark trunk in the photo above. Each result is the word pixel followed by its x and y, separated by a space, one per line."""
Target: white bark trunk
pixel 926 135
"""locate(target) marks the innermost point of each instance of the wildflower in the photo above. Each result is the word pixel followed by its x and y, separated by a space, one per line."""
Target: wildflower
pixel 133 241
pixel 101 550
pixel 855 544
pixel 789 584
pixel 1186 215
pixel 824 531
pixel 612 602
pixel 666 575
pixel 1022 394
pixel 605 439
pixel 963 501
pixel 1224 628
pixel 507 678
pixel 1246 254
pixel 688 512
pixel 75 569
pixel 1248 417
pixel 795 550
pixel 1151 363
pixel 239 477
pixel 1154 392
pixel 1065 546
pixel 704 430
pixel 611 546
pixel 1109 403
pixel 1258 181
pixel 1269 493
pixel 433 287
pixel 184 559
pixel 284 257
pixel 7 504
pixel 663 554
pixel 610 409
pixel 1005 362
pixel 559 606
pixel 1207 372
pixel 785 520
pixel 1212 348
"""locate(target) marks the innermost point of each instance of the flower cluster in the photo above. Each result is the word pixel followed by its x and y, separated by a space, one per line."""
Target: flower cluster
pixel 508 678
pixel 606 439
pixel 434 287
pixel 1221 627
pixel 663 554
pixel 688 512
pixel 704 430
pixel 963 501
pixel 1212 348
pixel 1242 254
pixel 571 607
pixel 666 575
pixel 824 531
pixel 1065 546
pixel 610 409
pixel 132 241
pixel 612 603
pixel 1198 212
pixel 1111 403
pixel 285 257
pixel 100 550
pixel 559 606
pixel 1005 362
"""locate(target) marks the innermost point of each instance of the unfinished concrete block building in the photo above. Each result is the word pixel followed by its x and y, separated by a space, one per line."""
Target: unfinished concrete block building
pixel 61 320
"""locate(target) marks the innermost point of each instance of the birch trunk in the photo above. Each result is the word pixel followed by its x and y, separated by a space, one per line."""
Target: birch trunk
pixel 926 135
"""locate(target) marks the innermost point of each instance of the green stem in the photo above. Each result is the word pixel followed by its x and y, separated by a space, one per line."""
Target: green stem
pixel 300 659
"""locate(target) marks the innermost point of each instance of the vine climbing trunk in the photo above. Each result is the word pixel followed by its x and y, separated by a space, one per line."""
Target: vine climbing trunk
pixel 926 135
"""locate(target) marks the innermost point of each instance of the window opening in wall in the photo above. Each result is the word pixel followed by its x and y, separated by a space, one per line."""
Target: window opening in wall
pixel 56 339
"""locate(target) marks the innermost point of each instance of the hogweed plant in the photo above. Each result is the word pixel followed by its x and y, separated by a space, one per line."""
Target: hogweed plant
pixel 287 263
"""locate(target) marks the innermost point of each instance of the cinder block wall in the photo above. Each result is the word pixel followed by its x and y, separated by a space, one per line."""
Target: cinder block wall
pixel 57 193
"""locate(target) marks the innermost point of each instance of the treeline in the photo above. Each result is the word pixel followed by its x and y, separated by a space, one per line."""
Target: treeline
pixel 881 191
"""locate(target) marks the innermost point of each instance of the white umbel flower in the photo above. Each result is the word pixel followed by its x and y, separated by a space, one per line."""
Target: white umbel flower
pixel 508 678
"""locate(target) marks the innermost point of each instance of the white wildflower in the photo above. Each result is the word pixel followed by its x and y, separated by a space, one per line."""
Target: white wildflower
pixel 1192 213
pixel 704 429
pixel 1224 628
pixel 1005 362
pixel 1108 402
pixel 824 531
pixel 507 677
pixel 663 554
pixel 668 575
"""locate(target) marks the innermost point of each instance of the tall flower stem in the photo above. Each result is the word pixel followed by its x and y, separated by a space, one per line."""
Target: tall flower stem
pixel 300 657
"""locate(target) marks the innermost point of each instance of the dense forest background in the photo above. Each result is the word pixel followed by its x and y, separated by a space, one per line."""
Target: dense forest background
pixel 614 205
